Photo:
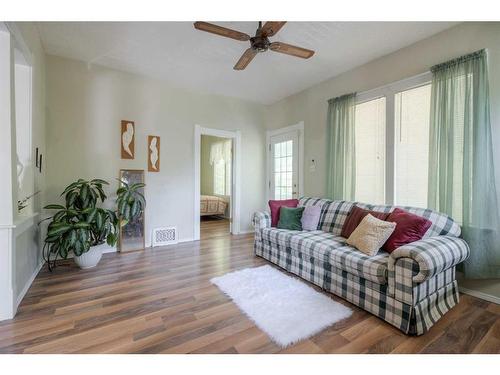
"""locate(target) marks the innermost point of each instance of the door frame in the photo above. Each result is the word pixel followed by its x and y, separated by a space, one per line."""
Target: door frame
pixel 235 135
pixel 299 128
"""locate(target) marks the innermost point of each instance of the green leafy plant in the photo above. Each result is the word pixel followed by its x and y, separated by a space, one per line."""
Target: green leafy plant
pixel 81 223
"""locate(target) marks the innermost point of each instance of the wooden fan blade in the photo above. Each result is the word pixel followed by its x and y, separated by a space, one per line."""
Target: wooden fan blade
pixel 245 59
pixel 222 31
pixel 271 28
pixel 291 50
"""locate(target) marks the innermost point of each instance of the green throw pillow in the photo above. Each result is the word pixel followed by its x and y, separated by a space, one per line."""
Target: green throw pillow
pixel 290 218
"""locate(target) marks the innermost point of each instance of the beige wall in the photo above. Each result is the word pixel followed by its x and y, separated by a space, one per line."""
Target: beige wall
pixel 311 105
pixel 85 106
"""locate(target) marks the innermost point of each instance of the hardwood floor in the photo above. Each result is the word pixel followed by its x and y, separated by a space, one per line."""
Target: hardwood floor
pixel 161 301
pixel 212 226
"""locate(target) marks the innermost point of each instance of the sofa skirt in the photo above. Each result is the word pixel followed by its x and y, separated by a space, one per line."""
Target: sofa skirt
pixel 370 296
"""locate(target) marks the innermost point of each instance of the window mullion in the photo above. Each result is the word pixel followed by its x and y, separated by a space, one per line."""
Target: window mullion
pixel 390 153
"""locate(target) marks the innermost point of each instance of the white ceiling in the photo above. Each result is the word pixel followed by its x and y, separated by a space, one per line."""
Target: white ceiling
pixel 203 62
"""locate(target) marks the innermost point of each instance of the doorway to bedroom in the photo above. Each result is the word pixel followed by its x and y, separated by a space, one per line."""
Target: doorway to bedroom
pixel 216 154
pixel 216 188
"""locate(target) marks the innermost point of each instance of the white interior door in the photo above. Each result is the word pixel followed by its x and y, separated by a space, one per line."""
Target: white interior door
pixel 284 166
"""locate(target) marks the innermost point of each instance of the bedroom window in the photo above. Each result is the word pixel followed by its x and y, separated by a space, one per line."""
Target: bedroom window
pixel 220 155
pixel 220 178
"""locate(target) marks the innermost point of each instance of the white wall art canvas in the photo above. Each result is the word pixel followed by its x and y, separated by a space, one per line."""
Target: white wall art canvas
pixel 128 139
pixel 154 153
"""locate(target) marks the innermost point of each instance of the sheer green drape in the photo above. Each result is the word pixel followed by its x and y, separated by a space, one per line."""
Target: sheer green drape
pixel 461 175
pixel 341 150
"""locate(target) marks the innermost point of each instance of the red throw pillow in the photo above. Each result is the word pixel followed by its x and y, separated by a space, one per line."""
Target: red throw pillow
pixel 409 228
pixel 355 216
pixel 275 208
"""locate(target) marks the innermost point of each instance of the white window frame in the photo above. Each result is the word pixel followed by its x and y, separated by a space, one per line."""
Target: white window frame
pixel 389 92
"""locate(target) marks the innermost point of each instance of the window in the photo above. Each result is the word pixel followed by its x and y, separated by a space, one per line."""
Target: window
pixel 370 151
pixel 220 178
pixel 392 143
pixel 220 158
pixel 283 170
pixel 412 109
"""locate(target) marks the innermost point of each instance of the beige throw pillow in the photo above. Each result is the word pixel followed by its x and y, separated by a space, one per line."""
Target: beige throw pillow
pixel 371 234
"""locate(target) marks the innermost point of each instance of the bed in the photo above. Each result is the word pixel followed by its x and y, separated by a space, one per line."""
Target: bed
pixel 212 205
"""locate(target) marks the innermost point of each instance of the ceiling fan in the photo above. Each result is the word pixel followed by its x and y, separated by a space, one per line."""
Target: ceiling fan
pixel 259 43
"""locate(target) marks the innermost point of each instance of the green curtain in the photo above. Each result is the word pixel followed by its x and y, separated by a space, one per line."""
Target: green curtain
pixel 341 161
pixel 461 174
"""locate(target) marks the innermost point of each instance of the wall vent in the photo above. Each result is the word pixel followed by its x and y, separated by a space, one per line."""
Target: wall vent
pixel 164 236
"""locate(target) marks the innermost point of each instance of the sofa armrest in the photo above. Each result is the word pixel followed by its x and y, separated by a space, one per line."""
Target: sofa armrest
pixel 432 255
pixel 261 220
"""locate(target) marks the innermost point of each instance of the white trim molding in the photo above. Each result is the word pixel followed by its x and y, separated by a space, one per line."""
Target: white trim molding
pixel 19 41
pixel 478 294
pixel 235 135
pixel 7 298
pixel 299 128
pixel 28 284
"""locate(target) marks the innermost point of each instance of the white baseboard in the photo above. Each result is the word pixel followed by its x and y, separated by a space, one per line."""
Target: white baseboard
pixel 28 284
pixel 475 293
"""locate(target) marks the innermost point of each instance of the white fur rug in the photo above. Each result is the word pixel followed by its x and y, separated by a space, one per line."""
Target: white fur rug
pixel 286 309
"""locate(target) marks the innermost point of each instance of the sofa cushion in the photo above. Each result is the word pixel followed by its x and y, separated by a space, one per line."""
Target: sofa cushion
pixel 409 228
pixel 370 235
pixel 274 206
pixel 276 236
pixel 354 218
pixel 310 217
pixel 333 213
pixel 343 256
pixel 321 247
pixel 290 218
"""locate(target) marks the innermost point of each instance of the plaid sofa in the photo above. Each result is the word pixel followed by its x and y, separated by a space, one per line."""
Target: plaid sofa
pixel 411 288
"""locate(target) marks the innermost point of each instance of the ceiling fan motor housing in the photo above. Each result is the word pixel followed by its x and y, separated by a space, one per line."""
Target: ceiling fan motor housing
pixel 260 43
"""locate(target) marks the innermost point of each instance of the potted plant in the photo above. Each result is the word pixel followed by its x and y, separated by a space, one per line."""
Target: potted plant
pixel 84 228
